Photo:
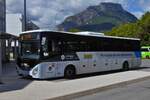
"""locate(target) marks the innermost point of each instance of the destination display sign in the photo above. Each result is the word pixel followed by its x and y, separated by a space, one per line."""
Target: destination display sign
pixel 30 37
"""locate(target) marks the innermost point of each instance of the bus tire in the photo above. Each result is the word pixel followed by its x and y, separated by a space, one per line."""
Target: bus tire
pixel 70 72
pixel 147 57
pixel 125 66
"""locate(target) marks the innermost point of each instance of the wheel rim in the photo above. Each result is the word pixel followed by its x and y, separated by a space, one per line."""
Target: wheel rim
pixel 126 66
pixel 70 72
pixel 147 57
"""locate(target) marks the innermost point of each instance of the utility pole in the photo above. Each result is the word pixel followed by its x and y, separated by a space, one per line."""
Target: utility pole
pixel 3 30
pixel 0 62
pixel 25 16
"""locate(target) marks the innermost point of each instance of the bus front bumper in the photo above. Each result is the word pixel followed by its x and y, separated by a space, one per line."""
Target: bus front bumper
pixel 23 73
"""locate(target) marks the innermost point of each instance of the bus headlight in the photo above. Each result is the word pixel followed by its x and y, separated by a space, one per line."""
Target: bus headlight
pixel 25 65
pixel 35 71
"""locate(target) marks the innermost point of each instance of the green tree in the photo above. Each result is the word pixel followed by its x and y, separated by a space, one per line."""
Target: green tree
pixel 140 29
pixel 74 30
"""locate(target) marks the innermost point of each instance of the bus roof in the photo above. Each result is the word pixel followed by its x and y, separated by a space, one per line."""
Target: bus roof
pixel 145 47
pixel 86 33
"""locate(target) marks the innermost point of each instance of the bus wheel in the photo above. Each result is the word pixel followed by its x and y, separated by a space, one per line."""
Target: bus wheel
pixel 70 72
pixel 125 66
pixel 147 57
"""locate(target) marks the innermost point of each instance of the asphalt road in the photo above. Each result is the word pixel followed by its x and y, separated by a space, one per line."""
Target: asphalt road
pixel 9 73
pixel 10 77
pixel 136 91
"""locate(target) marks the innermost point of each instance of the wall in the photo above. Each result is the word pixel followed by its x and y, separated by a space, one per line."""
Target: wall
pixel 14 24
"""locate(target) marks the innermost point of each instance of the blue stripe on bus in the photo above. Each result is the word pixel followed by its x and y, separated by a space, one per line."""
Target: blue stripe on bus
pixel 138 54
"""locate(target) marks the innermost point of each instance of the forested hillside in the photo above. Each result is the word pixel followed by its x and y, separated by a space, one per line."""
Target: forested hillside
pixel 140 29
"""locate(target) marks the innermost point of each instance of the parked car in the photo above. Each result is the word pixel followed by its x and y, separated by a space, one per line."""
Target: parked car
pixel 145 50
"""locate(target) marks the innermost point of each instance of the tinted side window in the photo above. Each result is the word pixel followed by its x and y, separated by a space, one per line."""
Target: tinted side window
pixel 135 45
pixel 144 49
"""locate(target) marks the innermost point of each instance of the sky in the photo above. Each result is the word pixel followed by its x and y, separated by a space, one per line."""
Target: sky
pixel 48 13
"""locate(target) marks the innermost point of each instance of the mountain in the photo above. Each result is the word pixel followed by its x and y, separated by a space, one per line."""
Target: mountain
pixel 100 18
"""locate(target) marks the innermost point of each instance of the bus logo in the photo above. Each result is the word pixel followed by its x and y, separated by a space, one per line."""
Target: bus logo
pixel 88 56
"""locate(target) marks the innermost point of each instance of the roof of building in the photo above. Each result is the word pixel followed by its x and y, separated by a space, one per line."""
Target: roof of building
pixel 7 36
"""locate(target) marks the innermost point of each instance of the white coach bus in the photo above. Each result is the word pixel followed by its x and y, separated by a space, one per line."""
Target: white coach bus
pixel 49 54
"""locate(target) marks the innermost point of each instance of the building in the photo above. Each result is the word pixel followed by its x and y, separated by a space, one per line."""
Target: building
pixel 2 29
pixel 32 26
pixel 15 24
pixel 10 27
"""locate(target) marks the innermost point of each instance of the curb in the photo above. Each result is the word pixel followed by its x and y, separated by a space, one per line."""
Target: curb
pixel 98 89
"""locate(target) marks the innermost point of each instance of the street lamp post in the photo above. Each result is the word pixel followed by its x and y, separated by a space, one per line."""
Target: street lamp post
pixel 25 16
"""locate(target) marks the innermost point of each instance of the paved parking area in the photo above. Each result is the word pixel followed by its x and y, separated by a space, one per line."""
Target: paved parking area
pixel 11 81
pixel 15 87
pixel 135 91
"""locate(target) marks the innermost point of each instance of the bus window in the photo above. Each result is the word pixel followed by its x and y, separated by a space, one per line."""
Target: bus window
pixel 45 50
pixel 56 46
pixel 144 50
pixel 50 48
pixel 30 50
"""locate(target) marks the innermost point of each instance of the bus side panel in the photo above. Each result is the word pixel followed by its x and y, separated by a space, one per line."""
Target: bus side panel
pixel 90 62
pixel 60 69
pixel 137 59
pixel 84 62
pixel 102 62
pixel 61 66
pixel 47 70
pixel 105 61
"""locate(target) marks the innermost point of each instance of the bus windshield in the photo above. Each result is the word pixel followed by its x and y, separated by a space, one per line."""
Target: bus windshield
pixel 30 50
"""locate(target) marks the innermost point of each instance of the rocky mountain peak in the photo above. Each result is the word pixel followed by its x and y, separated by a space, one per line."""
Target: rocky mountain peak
pixel 111 6
pixel 102 17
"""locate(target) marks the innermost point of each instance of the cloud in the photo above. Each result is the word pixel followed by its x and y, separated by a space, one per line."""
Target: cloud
pixel 138 14
pixel 14 6
pixel 145 5
pixel 48 13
